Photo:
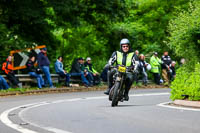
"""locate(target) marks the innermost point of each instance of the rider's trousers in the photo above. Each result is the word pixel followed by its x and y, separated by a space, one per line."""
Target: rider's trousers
pixel 128 82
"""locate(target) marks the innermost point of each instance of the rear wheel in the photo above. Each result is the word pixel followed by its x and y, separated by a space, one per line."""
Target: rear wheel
pixel 115 94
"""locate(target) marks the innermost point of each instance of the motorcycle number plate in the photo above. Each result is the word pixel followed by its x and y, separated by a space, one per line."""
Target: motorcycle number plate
pixel 122 69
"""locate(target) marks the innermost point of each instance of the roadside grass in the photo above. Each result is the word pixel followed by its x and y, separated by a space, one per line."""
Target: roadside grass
pixel 101 86
pixel 19 89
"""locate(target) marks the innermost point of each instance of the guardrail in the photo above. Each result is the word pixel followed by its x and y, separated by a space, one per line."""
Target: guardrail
pixel 25 79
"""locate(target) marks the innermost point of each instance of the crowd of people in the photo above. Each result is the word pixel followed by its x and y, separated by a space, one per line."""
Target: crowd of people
pixel 80 68
pixel 85 70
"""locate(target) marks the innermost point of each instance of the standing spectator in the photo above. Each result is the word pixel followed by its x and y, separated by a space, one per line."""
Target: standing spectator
pixel 3 84
pixel 182 61
pixel 142 68
pixel 136 56
pixel 172 71
pixel 155 63
pixel 166 61
pixel 59 70
pixel 8 70
pixel 34 72
pixel 43 63
pixel 90 68
pixel 76 71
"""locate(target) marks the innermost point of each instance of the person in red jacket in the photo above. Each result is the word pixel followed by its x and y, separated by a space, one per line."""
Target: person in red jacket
pixel 7 67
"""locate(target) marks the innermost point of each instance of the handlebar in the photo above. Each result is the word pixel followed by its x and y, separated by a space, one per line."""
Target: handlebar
pixel 128 69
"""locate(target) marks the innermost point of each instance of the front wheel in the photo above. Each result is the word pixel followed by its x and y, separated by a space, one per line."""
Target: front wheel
pixel 115 94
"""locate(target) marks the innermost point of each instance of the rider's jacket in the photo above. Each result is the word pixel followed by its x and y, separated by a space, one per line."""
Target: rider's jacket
pixel 121 58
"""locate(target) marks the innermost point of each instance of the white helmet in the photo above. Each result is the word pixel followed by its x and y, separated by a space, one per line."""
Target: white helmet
pixel 124 41
pixel 148 67
pixel 88 58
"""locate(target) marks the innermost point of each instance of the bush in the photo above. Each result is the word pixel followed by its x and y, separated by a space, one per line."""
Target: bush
pixel 186 84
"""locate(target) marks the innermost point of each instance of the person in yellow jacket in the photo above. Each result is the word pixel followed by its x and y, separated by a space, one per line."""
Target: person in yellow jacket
pixel 155 63
pixel 125 56
pixel 94 73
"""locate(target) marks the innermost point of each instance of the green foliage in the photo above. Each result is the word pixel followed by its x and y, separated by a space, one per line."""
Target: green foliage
pixel 148 21
pixel 184 33
pixel 82 41
pixel 74 28
pixel 186 83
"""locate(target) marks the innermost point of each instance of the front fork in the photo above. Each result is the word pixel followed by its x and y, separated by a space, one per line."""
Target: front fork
pixel 121 88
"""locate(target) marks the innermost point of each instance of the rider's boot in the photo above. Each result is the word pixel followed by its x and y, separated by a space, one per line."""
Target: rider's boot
pixel 107 91
pixel 126 97
pixel 109 87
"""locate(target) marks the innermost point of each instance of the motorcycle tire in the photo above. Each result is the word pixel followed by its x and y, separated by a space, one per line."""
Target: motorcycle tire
pixel 115 99
pixel 111 93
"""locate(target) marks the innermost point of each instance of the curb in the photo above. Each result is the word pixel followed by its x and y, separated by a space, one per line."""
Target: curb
pixel 56 90
pixel 195 104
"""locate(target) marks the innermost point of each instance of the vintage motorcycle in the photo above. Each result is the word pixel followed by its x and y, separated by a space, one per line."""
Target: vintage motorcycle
pixel 117 91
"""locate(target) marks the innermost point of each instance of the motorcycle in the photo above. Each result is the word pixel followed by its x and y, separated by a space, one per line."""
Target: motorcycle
pixel 117 91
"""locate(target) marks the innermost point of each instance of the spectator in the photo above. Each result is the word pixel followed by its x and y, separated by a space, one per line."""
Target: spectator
pixel 34 72
pixel 182 61
pixel 172 71
pixel 155 64
pixel 76 71
pixel 59 70
pixel 104 74
pixel 3 84
pixel 8 70
pixel 87 74
pixel 43 63
pixel 90 68
pixel 142 68
pixel 136 56
pixel 166 61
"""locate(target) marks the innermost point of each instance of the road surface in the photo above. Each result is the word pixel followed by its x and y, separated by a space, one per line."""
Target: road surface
pixel 91 112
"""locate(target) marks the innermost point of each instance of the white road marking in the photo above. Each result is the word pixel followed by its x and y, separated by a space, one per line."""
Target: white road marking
pixel 166 105
pixel 4 116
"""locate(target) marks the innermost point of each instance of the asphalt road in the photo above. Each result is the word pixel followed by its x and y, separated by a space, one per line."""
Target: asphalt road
pixel 90 112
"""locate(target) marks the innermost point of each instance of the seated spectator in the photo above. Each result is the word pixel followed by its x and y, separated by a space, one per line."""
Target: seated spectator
pixel 8 70
pixel 87 74
pixel 90 68
pixel 172 71
pixel 34 72
pixel 3 84
pixel 104 74
pixel 142 68
pixel 59 70
pixel 43 63
pixel 76 71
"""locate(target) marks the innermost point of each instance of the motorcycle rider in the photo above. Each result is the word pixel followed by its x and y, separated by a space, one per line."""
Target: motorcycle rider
pixel 125 56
